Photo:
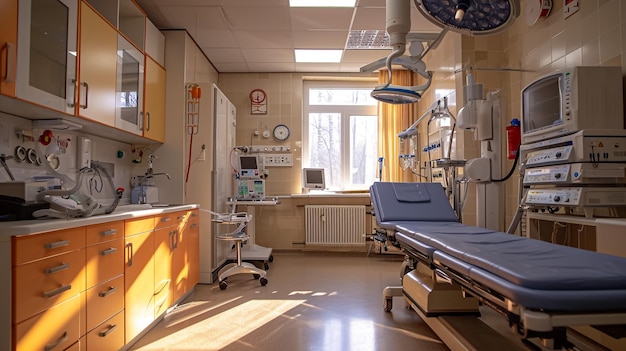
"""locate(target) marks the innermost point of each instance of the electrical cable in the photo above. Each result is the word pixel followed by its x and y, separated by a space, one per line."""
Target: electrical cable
pixel 512 168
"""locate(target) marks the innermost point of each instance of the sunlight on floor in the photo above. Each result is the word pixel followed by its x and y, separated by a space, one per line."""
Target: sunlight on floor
pixel 215 333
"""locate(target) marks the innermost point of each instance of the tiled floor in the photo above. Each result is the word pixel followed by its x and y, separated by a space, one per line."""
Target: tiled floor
pixel 313 301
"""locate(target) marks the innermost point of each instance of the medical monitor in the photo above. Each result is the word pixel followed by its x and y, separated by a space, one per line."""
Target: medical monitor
pixel 313 178
pixel 572 99
pixel 249 167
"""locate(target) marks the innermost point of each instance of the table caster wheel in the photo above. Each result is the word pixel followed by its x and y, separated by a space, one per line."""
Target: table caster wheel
pixel 263 281
pixel 266 266
pixel 388 304
pixel 256 276
pixel 223 285
pixel 271 258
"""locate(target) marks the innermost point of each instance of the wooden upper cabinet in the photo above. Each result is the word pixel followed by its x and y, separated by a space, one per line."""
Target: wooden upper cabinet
pixel 97 67
pixel 8 46
pixel 154 94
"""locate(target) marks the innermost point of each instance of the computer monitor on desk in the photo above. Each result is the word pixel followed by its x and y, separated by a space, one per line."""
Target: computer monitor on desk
pixel 313 179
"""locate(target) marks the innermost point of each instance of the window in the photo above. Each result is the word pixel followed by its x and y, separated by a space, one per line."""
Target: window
pixel 340 132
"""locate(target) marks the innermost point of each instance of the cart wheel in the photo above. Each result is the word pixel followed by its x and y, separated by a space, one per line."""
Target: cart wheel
pixel 256 276
pixel 266 266
pixel 223 285
pixel 271 258
pixel 263 281
pixel 388 304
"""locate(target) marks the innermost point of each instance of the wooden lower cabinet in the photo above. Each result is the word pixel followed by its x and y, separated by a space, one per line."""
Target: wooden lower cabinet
pixel 192 238
pixel 97 287
pixel 139 283
pixel 54 329
pixel 163 263
pixel 108 336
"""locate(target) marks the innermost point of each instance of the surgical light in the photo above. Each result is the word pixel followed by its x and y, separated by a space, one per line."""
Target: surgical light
pixel 472 17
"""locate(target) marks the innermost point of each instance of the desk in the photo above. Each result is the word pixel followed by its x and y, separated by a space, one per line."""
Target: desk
pixel 252 251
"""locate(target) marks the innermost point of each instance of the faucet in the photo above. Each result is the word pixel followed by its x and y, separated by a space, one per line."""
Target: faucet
pixel 150 171
pixel 143 180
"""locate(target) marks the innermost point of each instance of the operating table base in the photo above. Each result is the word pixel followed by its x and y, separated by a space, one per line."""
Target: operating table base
pixel 436 297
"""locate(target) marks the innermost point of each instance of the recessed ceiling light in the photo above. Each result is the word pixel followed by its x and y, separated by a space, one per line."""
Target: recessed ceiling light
pixel 368 39
pixel 305 55
pixel 322 3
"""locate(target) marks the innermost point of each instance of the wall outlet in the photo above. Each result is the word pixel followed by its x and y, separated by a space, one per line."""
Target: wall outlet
pixel 202 156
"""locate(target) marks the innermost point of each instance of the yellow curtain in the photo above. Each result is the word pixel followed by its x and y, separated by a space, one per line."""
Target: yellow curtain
pixel 393 119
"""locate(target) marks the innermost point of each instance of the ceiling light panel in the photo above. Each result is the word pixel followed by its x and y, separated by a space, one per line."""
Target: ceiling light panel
pixel 318 56
pixel 322 3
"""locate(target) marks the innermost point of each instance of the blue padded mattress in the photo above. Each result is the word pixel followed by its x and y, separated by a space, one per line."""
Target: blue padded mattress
pixel 533 273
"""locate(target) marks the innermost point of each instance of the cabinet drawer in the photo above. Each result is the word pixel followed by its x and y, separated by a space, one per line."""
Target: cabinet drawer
pixel 104 300
pixel 164 220
pixel 37 246
pixel 55 329
pixel 98 233
pixel 41 284
pixel 109 336
pixel 104 261
pixel 138 225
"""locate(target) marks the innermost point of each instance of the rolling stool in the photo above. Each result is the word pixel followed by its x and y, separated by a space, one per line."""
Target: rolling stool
pixel 238 237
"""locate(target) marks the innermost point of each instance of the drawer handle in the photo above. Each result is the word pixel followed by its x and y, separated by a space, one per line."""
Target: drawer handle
pixel 166 219
pixel 55 292
pixel 129 249
pixel 111 290
pixel 108 251
pixel 108 331
pixel 57 343
pixel 56 244
pixel 194 214
pixel 193 225
pixel 108 232
pixel 61 267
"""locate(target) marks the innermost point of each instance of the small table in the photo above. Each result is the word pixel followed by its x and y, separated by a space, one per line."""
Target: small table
pixel 252 251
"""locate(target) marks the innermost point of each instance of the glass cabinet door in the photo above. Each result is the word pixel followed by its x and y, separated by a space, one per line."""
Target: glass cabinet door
pixel 129 91
pixel 46 68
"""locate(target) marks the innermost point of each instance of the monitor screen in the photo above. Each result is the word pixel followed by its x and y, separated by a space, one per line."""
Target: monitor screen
pixel 248 166
pixel 313 178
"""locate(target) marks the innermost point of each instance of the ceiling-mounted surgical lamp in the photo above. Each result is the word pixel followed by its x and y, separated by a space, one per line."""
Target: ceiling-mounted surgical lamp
pixel 398 22
pixel 470 17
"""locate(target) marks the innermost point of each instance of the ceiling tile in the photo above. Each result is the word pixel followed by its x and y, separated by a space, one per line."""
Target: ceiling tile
pixel 224 55
pixel 366 56
pixel 317 67
pixel 215 39
pixel 369 18
pixel 321 18
pixel 268 55
pixel 231 67
pixel 258 17
pixel 271 67
pixel 319 39
pixel 259 39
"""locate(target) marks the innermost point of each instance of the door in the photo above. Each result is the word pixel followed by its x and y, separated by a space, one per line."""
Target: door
pixel 46 53
pixel 154 119
pixel 139 283
pixel 98 50
pixel 8 46
pixel 129 87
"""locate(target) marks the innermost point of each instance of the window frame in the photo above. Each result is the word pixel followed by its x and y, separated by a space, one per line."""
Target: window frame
pixel 345 112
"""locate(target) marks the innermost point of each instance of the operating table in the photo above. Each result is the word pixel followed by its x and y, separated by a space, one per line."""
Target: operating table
pixel 540 287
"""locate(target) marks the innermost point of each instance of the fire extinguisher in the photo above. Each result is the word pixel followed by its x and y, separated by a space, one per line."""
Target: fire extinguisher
pixel 513 138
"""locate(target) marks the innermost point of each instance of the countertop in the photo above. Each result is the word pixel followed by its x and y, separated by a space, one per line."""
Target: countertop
pixel 122 212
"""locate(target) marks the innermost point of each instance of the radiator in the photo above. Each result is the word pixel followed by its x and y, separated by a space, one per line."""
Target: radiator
pixel 334 225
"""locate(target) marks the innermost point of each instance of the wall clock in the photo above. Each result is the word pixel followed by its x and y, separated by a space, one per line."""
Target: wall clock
pixel 281 132
pixel 258 102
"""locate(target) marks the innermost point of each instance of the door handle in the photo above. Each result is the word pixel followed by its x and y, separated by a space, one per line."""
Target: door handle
pixel 9 64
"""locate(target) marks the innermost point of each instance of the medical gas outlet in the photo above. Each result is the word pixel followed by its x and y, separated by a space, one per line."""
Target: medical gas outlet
pixel 278 160
pixel 270 148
